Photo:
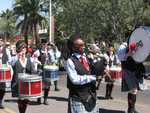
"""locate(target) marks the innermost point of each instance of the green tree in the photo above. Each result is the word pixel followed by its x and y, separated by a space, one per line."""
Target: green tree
pixel 7 24
pixel 100 19
pixel 29 16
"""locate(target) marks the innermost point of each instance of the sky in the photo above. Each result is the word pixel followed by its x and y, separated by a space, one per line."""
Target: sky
pixel 5 4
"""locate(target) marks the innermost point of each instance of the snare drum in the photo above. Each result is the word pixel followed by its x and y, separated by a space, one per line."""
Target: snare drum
pixel 30 86
pixel 5 73
pixel 51 72
pixel 116 73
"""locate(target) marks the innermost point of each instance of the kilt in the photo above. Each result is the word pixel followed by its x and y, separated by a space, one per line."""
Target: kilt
pixel 129 81
pixel 49 77
pixel 76 106
pixel 2 85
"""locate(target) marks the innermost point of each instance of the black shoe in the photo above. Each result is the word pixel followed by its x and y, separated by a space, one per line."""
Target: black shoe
pixel 132 110
pixel 46 102
pixel 56 89
pixel 110 97
pixel 136 111
pixel 106 97
pixel 1 106
pixel 39 100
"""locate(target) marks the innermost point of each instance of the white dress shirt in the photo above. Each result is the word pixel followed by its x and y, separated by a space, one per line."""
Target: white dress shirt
pixel 54 55
pixel 121 52
pixel 112 58
pixel 74 77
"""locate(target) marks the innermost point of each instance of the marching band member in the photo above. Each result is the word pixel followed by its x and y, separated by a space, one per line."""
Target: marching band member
pixel 44 59
pixel 54 55
pixel 4 58
pixel 112 60
pixel 35 60
pixel 14 56
pixel 36 65
pixel 132 73
pixel 22 65
pixel 81 84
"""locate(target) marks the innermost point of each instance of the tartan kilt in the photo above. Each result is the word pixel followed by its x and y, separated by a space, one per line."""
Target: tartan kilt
pixel 129 81
pixel 48 77
pixel 76 106
pixel 2 85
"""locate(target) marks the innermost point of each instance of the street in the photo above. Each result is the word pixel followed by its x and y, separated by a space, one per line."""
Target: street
pixel 58 101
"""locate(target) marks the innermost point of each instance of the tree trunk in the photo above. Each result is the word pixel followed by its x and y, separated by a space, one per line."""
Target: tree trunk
pixel 26 37
pixel 37 41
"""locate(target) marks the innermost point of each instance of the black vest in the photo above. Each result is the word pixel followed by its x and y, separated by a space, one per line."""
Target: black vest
pixel 129 64
pixel 85 93
pixel 4 57
pixel 114 61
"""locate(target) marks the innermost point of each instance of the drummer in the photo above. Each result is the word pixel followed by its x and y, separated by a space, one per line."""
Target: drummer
pixel 14 56
pixel 132 74
pixel 22 65
pixel 44 59
pixel 3 60
pixel 55 54
pixel 112 60
pixel 36 65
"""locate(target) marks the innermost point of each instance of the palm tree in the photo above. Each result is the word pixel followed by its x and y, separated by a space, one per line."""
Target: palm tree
pixel 7 23
pixel 29 17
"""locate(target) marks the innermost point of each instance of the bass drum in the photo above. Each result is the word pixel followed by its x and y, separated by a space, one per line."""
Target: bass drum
pixel 141 36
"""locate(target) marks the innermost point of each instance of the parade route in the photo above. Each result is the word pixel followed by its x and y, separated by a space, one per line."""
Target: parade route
pixel 58 101
pixel 74 56
pixel 7 110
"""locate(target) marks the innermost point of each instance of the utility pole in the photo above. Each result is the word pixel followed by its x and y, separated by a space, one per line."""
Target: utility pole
pixel 51 32
pixel 50 17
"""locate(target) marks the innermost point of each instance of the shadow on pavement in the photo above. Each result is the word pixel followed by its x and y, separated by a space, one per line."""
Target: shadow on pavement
pixel 110 111
pixel 101 98
pixel 16 100
pixel 11 100
pixel 33 103
pixel 58 98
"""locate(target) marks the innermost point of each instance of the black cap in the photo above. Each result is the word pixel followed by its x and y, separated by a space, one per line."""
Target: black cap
pixel 20 45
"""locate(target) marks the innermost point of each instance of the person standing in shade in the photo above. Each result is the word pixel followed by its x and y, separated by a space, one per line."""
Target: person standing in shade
pixel 80 82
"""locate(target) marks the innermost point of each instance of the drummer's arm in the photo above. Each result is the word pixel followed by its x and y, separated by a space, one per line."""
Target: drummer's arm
pixel 75 78
pixel 118 62
pixel 58 54
pixel 106 72
pixel 14 77
pixel 11 69
pixel 130 53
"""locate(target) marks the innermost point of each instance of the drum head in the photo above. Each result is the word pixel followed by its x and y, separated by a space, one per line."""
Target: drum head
pixel 51 67
pixel 24 76
pixel 141 36
pixel 118 69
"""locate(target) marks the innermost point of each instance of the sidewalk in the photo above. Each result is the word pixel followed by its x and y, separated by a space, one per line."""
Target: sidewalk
pixel 119 106
pixel 58 101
